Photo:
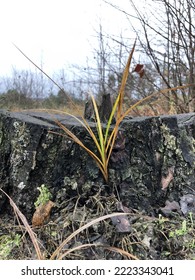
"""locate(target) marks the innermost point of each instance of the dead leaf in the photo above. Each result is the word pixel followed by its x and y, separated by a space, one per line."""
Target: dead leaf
pixel 187 203
pixel 122 223
pixel 42 214
pixel 139 68
pixel 170 207
pixel 166 180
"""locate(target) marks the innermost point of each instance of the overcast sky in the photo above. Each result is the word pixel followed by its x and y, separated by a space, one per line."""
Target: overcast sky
pixel 54 32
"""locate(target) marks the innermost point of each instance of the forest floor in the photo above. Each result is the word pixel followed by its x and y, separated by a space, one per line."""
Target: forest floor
pixel 165 236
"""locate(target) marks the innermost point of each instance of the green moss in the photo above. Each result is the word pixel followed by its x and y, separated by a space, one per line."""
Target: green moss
pixel 178 152
pixel 7 244
pixel 44 196
pixel 71 182
pixel 169 139
pixel 170 143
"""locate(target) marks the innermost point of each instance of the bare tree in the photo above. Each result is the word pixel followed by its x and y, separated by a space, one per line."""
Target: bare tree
pixel 27 83
pixel 166 34
pixel 176 64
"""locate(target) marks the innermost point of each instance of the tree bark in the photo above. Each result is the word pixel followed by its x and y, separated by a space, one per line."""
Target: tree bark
pixel 153 160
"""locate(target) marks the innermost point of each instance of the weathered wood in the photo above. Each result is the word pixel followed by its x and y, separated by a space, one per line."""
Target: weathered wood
pixel 153 160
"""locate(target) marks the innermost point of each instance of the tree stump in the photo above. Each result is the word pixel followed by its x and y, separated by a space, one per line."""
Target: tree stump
pixel 153 160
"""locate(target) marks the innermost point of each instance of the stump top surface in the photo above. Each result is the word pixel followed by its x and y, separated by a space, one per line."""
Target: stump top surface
pixel 49 119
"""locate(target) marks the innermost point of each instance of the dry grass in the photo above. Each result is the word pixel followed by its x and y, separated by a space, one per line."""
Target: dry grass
pixel 57 253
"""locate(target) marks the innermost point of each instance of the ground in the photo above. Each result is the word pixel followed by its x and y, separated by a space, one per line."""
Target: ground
pixel 132 236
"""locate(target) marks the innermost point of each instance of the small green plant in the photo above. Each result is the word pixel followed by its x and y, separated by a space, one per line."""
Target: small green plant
pixel 191 219
pixel 7 244
pixel 179 232
pixel 185 232
pixel 162 221
pixel 186 226
pixel 43 197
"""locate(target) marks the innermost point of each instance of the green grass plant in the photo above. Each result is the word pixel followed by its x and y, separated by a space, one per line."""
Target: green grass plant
pixel 104 138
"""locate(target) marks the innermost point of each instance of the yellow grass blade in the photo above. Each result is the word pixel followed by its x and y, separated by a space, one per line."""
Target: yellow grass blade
pixel 124 81
pixel 111 142
pixel 99 130
pixel 119 100
pixel 110 248
pixel 99 142
pixel 76 139
pixel 85 124
pixel 100 161
pixel 26 225
pixel 82 121
pixel 80 143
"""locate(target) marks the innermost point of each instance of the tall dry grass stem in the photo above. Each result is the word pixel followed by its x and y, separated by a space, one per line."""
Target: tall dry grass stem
pixel 31 233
